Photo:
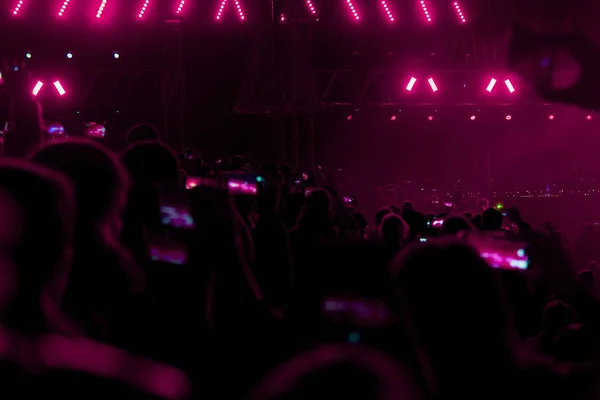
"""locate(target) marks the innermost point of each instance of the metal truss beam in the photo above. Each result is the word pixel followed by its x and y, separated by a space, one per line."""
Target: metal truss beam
pixel 386 88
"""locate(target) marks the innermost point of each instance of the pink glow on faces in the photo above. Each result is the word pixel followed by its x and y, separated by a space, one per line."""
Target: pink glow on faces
pixel 352 9
pixel 387 11
pixel 425 11
pixel 63 8
pixel 459 13
pixel 411 84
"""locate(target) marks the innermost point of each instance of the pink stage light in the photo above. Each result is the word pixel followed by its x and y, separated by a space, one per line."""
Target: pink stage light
pixel 387 10
pixel 411 83
pixel 393 118
pixel 432 84
pixel 491 85
pixel 430 118
pixel 352 9
pixel 425 11
pixel 59 88
pixel 589 117
pixel 282 18
pixel 63 8
pixel 550 117
pixel 143 9
pixel 221 8
pixel 101 9
pixel 18 6
pixel 509 85
pixel 473 118
pixel 311 7
pixel 508 117
pixel 180 6
pixel 459 13
pixel 349 117
pixel 36 89
pixel 238 6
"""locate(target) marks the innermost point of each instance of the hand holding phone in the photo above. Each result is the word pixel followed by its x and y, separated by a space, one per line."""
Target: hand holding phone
pixel 501 252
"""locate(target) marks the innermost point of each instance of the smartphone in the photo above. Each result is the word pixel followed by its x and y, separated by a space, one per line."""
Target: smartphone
pixel 359 312
pixel 437 223
pixel 192 181
pixel 500 251
pixel 175 211
pixel 94 130
pixel 349 199
pixel 423 240
pixel 168 251
pixel 243 183
pixel 448 204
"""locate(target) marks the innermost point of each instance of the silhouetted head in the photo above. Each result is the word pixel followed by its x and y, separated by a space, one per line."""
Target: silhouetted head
pixel 316 212
pixel 588 230
pixel 492 219
pixel 455 306
pixel 381 214
pixel 477 222
pixel 345 371
pixel 396 210
pixel 393 230
pixel 152 163
pixel 100 183
pixel 286 171
pixel 454 225
pixel 237 162
pixel 142 132
pixel 416 222
pixel 408 206
pixel 556 316
pixel 38 216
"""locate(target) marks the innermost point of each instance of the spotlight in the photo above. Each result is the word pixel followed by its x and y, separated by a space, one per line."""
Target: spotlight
pixel 116 55
pixel 473 117
pixel 508 117
pixel 69 55
pixel 589 117
pixel 393 118
pixel 550 117
pixel 349 117
pixel 430 118
pixel 411 83
pixel 37 88
pixel 28 55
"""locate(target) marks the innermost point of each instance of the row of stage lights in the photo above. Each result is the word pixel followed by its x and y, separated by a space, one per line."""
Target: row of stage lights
pixel 473 117
pixel 69 55
pixel 434 88
pixel 386 6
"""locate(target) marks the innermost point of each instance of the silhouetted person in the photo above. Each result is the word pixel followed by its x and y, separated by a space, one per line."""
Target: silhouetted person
pixel 142 132
pixel 153 166
pixel 292 206
pixel 392 233
pixel 454 225
pixel 556 316
pixel 458 317
pixel 381 214
pixel 104 278
pixel 492 219
pixel 585 247
pixel 407 206
pixel 587 279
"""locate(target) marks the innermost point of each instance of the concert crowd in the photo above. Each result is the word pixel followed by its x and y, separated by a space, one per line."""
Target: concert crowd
pixel 146 274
